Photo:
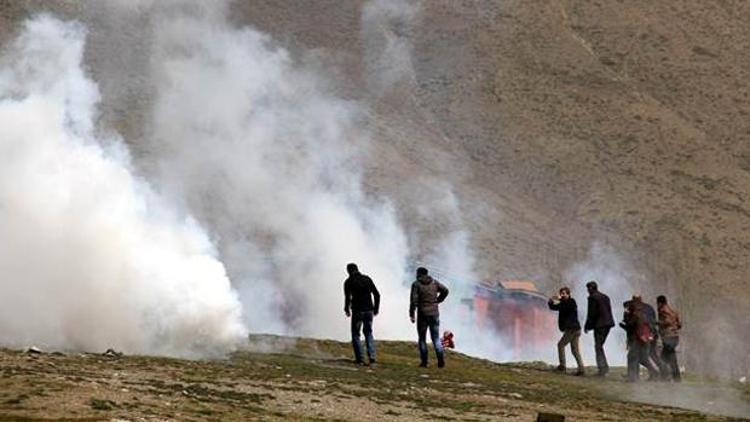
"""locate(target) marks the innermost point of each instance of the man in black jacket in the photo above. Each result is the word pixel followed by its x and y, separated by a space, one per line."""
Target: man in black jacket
pixel 426 294
pixel 600 319
pixel 568 323
pixel 359 291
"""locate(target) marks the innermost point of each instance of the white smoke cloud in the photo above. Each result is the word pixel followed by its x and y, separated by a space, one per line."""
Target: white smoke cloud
pixel 250 144
pixel 387 27
pixel 254 146
pixel 91 257
pixel 617 279
pixel 451 260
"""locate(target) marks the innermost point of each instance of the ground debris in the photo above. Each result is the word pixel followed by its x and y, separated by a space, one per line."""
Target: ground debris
pixel 112 353
pixel 144 388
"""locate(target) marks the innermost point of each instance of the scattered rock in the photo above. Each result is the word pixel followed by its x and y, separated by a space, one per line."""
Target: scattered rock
pixel 516 395
pixel 102 404
pixel 33 350
pixel 743 380
pixel 550 417
pixel 112 353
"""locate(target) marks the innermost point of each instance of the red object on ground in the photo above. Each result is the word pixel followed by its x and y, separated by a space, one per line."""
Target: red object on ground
pixel 517 312
pixel 447 340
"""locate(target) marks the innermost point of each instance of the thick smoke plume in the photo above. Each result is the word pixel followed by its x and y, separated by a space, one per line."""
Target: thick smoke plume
pixel 617 279
pixel 91 257
pixel 243 161
pixel 239 137
pixel 254 146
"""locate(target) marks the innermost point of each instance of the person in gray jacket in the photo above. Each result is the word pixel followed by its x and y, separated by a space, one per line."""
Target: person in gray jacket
pixel 426 294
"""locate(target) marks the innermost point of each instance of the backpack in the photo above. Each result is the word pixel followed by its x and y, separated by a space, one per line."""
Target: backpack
pixel 643 333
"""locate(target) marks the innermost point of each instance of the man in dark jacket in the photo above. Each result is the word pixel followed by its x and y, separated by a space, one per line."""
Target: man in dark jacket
pixel 359 291
pixel 599 319
pixel 567 321
pixel 426 294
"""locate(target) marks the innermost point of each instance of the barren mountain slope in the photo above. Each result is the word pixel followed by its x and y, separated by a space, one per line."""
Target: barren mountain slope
pixel 558 124
pixel 569 123
pixel 624 117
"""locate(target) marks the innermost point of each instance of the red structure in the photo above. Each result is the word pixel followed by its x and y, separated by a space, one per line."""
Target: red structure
pixel 517 312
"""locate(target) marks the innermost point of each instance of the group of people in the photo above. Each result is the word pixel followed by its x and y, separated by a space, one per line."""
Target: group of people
pixel 362 303
pixel 646 328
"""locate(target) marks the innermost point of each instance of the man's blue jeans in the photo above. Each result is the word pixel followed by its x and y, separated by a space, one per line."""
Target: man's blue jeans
pixel 433 323
pixel 363 321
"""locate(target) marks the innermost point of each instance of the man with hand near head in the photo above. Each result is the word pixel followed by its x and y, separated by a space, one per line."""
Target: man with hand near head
pixel 568 323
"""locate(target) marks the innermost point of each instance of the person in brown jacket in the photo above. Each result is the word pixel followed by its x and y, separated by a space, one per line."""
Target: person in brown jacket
pixel 669 325
pixel 426 294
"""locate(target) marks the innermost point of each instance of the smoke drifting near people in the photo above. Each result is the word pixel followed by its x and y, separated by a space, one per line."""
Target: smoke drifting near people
pixel 248 170
pixel 241 203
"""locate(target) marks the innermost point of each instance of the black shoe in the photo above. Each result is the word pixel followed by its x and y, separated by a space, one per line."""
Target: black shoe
pixel 360 363
pixel 372 363
pixel 560 368
pixel 423 365
pixel 580 373
pixel 441 363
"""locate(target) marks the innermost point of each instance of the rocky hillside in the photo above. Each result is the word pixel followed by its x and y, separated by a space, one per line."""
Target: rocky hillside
pixel 316 380
pixel 563 124
pixel 557 124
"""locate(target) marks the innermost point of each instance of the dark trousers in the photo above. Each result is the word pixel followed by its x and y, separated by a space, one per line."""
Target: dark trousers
pixel 654 352
pixel 669 358
pixel 363 321
pixel 570 337
pixel 600 336
pixel 433 323
pixel 640 354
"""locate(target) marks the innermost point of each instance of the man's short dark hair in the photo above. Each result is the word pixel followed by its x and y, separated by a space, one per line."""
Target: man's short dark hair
pixel 421 271
pixel 592 285
pixel 565 289
pixel 661 299
pixel 351 268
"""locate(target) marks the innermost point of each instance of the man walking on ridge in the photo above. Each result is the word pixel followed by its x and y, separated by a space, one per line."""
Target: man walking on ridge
pixel 359 291
pixel 599 318
pixel 426 294
pixel 669 325
pixel 568 323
